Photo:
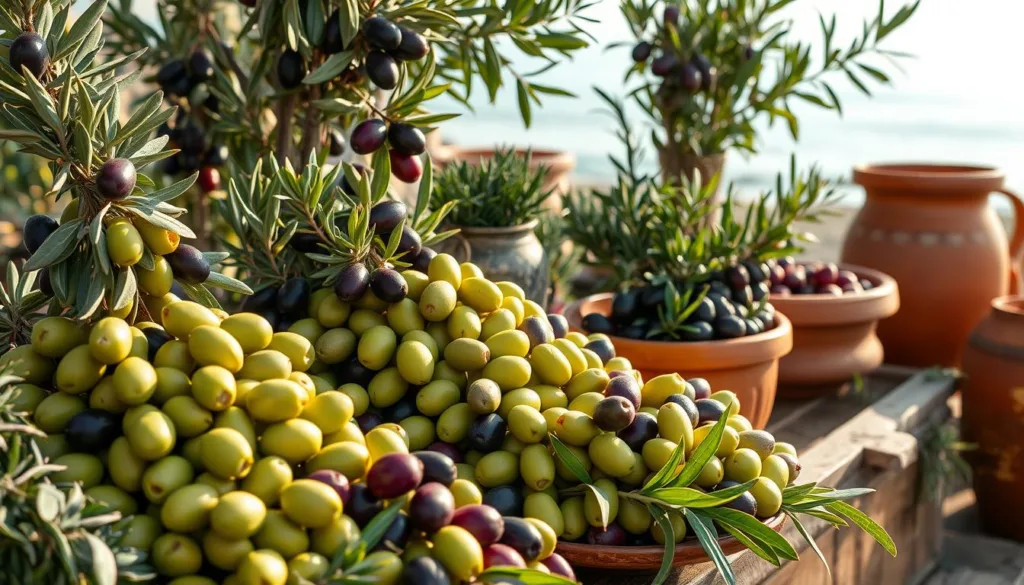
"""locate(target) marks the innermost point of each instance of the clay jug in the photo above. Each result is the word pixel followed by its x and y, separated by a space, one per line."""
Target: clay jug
pixel 930 227
pixel 993 407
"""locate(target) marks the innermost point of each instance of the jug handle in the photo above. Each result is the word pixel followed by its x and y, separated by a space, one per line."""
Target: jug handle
pixel 1016 240
pixel 467 250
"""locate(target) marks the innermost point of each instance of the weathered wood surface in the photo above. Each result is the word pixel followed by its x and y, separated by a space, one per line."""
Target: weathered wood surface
pixel 849 441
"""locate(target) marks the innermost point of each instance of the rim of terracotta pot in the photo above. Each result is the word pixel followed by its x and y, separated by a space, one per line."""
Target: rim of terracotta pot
pixel 946 177
pixel 880 302
pixel 721 354
pixel 555 160
pixel 1012 304
pixel 498 231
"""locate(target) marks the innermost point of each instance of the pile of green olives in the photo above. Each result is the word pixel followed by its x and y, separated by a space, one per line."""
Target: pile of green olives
pixel 244 455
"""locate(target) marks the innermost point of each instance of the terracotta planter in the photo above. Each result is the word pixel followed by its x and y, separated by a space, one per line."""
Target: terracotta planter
pixel 834 337
pixel 559 164
pixel 510 253
pixel 993 415
pixel 749 366
pixel 931 229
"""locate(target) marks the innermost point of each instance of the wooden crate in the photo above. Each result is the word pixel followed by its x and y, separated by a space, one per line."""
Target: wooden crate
pixel 865 438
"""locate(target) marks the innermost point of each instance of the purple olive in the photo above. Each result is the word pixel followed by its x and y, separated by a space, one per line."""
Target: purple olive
pixel 394 474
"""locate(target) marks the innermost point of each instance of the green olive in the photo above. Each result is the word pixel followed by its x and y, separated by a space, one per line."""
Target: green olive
pixel 181 317
pixel 743 465
pixel 329 411
pixel 497 469
pixel 612 455
pixel 213 346
pixel 518 397
pixel 350 459
pixel 481 294
pixel 53 337
pixel 170 382
pixel 214 387
pixel 537 467
pixel 509 343
pixel 376 347
pixel 28 365
pixel 276 400
pixel 79 371
pixel 262 567
pixel 527 424
pixel 141 531
pixel 404 316
pixel 124 244
pixel 657 452
pixel 464 322
pixel 190 419
pixel 586 402
pixel 776 469
pixel 268 477
pixel 415 362
pixel 294 440
pixel 420 431
pixel 453 424
pixel 332 311
pixel 416 282
pixel 54 412
pixel 188 508
pixel 80 467
pixel 125 467
pixel 437 396
pixel 152 435
pixel 439 333
pixel 550 365
pixel 768 496
pixel 711 474
pixel 175 354
pixel 335 345
pixel 674 424
pixel 222 486
pixel 298 349
pixel 335 536
pixel 361 321
pixel 236 418
pixel 387 387
pixel 678 529
pixel 466 493
pixel 226 453
pixel 382 440
pixel 740 424
pixel 443 371
pixel 360 398
pixel 466 355
pixel 581 455
pixel 509 372
pixel 658 389
pixel 730 439
pixel 280 534
pixel 445 267
pixel 252 331
pixel 310 503
pixel 573 517
pixel 575 428
pixel 633 516
pixel 589 380
pixel 543 507
pixel 27 397
pixel 457 549
pixel 497 322
pixel 175 555
pixel 223 553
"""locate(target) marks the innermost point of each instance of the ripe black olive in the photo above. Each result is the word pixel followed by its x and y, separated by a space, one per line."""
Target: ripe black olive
pixel 487 433
pixel 730 327
pixel 388 285
pixel 37 229
pixel 116 178
pixel 422 260
pixel 188 264
pixel 386 215
pixel 642 51
pixel 291 69
pixel 382 34
pixel 597 323
pixel 261 300
pixel 332 42
pixel 29 51
pixel 200 65
pixel 407 139
pixel 352 282
pixel 336 142
pixel 368 136
pixel 382 69
pixel 412 48
pixel 293 296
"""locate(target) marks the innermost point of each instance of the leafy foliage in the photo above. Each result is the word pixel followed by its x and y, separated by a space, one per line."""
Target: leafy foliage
pixel 20 304
pixel 467 51
pixel 646 232
pixel 71 116
pixel 759 70
pixel 53 533
pixel 23 180
pixel 503 191
pixel 267 214
pixel 669 491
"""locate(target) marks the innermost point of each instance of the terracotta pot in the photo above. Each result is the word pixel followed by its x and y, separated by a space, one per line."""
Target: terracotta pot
pixel 559 165
pixel 749 366
pixel 993 415
pixel 834 337
pixel 505 253
pixel 931 229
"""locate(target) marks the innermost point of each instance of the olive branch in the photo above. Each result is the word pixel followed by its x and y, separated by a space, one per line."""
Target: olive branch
pixel 670 491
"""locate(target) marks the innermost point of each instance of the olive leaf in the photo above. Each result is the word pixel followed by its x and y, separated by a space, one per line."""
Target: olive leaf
pixel 569 460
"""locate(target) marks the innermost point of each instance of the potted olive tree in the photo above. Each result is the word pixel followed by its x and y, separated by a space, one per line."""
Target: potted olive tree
pixel 497 207
pixel 686 297
pixel 707 73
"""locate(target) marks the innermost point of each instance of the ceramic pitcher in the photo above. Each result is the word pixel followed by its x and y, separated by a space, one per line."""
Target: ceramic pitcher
pixel 930 227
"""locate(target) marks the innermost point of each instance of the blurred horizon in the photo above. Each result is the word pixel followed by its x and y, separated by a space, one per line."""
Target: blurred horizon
pixel 955 102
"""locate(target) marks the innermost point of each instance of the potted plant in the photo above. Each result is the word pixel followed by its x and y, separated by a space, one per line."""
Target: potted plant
pixel 689 298
pixel 496 206
pixel 706 73
pixel 556 164
pixel 835 311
